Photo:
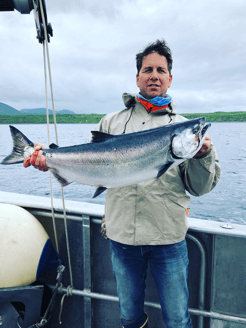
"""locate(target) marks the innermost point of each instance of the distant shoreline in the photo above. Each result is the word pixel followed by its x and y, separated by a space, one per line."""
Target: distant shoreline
pixel 41 119
pixel 95 118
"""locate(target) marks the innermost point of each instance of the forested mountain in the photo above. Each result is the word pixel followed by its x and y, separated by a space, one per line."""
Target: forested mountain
pixel 8 110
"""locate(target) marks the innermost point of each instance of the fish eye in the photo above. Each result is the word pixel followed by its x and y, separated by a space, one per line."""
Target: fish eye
pixel 195 129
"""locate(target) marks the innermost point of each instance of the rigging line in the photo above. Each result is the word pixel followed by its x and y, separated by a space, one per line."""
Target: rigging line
pixel 67 240
pixel 46 92
pixel 49 68
pixel 55 125
pixel 48 133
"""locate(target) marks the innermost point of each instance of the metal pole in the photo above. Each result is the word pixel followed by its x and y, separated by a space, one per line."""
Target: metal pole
pixel 213 315
pixel 201 299
pixel 87 268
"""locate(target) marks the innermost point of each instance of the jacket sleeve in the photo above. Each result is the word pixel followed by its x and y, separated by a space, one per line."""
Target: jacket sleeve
pixel 201 175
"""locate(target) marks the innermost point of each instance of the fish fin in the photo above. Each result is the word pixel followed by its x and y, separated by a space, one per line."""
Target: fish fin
pixel 22 147
pixel 63 182
pixel 98 136
pixel 98 191
pixel 53 146
pixel 164 169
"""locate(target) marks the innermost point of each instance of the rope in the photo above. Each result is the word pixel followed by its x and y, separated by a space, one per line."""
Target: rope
pixel 49 70
pixel 55 125
pixel 48 134
pixel 68 293
pixel 67 240
pixel 57 289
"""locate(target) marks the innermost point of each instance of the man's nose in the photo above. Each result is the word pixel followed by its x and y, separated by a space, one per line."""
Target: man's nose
pixel 154 75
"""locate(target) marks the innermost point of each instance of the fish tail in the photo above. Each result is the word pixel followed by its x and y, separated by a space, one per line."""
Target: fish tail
pixel 22 147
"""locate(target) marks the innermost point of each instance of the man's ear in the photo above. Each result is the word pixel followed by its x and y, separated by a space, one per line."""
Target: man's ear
pixel 170 80
pixel 137 79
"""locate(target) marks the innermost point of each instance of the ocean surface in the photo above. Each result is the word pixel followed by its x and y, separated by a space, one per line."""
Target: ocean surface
pixel 227 202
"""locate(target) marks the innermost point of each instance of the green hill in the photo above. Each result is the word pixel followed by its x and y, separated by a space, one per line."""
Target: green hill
pixel 220 116
pixel 8 110
pixel 42 111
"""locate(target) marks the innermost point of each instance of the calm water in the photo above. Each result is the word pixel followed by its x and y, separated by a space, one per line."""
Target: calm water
pixel 227 202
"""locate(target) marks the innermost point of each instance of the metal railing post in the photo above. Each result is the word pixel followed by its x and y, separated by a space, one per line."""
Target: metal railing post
pixel 202 280
pixel 87 268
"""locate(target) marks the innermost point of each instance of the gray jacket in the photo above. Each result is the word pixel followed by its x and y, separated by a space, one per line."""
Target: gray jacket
pixel 154 212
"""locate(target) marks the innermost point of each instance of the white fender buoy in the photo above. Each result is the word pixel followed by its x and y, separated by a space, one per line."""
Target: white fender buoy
pixel 26 251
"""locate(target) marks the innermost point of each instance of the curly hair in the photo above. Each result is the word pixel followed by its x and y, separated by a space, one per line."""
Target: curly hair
pixel 160 47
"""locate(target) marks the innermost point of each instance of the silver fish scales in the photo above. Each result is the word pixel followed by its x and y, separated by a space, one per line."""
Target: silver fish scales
pixel 110 161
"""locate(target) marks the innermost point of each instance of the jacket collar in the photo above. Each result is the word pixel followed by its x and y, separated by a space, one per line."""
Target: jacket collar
pixel 131 99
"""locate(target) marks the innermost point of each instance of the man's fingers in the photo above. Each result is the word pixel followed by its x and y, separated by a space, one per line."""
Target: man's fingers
pixel 37 159
pixel 205 147
pixel 37 146
pixel 34 157
pixel 206 144
pixel 43 163
pixel 40 162
pixel 26 162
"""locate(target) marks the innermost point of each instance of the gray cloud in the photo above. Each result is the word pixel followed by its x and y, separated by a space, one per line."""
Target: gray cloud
pixel 94 46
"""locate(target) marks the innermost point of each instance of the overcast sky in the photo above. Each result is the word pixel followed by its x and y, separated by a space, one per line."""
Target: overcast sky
pixel 93 52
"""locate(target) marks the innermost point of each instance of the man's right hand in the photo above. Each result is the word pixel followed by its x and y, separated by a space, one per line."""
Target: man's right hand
pixel 37 159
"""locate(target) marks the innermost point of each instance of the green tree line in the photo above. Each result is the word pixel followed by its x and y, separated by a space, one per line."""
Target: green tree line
pixel 41 119
pixel 220 116
pixel 95 118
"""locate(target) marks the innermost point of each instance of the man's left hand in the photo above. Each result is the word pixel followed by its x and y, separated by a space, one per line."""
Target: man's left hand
pixel 205 148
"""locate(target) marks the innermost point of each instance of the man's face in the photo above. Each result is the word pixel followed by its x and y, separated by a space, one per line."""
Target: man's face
pixel 154 78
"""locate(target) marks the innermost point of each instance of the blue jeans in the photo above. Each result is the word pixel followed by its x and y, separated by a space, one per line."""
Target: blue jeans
pixel 169 268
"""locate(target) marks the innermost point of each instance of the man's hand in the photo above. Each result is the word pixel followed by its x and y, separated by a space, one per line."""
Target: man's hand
pixel 205 148
pixel 37 159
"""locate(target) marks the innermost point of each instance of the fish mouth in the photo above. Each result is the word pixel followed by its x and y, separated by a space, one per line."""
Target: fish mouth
pixel 203 132
pixel 202 135
pixel 204 129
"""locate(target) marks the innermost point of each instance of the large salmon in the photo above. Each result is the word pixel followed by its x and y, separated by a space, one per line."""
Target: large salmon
pixel 110 161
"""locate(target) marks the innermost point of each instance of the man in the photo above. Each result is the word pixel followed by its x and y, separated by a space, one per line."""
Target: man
pixel 146 223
